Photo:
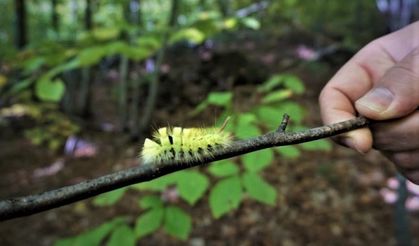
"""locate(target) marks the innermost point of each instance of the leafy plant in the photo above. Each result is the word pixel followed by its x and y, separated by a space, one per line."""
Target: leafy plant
pixel 276 95
pixel 51 128
pixel 94 236
pixel 109 198
pixel 225 196
pixel 174 220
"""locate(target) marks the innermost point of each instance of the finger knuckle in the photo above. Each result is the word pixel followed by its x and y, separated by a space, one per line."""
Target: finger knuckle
pixel 406 160
pixel 382 141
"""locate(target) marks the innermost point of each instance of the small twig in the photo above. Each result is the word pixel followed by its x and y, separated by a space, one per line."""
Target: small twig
pixel 284 123
pixel 22 206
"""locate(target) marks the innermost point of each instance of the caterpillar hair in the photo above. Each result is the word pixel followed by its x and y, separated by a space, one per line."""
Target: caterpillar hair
pixel 184 144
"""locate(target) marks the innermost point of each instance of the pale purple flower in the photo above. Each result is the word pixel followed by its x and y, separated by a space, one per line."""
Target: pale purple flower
pixel 388 195
pixel 77 147
pixel 393 183
pixel 412 204
pixel 305 53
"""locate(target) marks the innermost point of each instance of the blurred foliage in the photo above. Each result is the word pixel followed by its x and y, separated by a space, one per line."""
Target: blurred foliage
pixel 38 73
pixel 353 23
pixel 49 127
pixel 35 82
pixel 235 179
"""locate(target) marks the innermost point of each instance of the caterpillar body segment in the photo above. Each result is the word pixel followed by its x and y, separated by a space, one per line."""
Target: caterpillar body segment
pixel 187 144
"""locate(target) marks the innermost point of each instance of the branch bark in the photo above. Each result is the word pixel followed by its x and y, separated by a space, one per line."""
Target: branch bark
pixel 21 25
pixel 27 205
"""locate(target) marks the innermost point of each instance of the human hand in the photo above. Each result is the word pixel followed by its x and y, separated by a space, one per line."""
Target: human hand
pixel 381 82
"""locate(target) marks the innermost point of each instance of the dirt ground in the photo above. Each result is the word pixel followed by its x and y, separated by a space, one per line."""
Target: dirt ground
pixel 323 198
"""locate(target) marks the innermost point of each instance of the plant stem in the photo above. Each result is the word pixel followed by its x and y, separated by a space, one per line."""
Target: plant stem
pixel 154 83
pixel 85 93
pixel 123 89
pixel 22 206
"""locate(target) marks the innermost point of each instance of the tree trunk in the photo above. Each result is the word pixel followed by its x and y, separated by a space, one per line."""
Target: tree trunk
pixel 132 12
pixel 54 16
pixel 174 13
pixel 154 81
pixel 203 5
pixel 138 14
pixel 85 92
pixel 123 92
pixel 224 6
pixel 21 24
pixel 88 23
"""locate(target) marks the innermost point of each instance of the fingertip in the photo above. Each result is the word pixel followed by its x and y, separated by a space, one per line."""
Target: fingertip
pixel 362 140
pixel 359 140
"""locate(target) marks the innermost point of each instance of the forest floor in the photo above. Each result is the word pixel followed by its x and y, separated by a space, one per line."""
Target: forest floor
pixel 323 198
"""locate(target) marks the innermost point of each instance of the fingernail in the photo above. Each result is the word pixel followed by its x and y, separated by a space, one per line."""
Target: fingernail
pixel 378 100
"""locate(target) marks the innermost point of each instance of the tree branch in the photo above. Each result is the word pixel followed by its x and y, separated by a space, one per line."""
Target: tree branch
pixel 27 205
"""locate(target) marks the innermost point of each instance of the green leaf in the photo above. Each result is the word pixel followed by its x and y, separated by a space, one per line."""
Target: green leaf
pixel 21 86
pixel 288 152
pixel 318 145
pixel 109 198
pixel 293 83
pixel 190 34
pixel 158 184
pixel 245 126
pixel 105 33
pixel 33 64
pixel 191 186
pixel 148 222
pixel 48 90
pixel 91 55
pixel 177 222
pixel 148 202
pixel 115 47
pixel 294 110
pixel 251 23
pixel 198 109
pixel 223 168
pixel 256 161
pixel 230 23
pixel 122 235
pixel 93 237
pixel 277 96
pixel 222 99
pixel 268 116
pixel 70 65
pixel 298 128
pixel 289 81
pixel 207 23
pixel 259 189
pixel 66 242
pixel 273 82
pixel 149 42
pixel 246 118
pixel 136 53
pixel 225 196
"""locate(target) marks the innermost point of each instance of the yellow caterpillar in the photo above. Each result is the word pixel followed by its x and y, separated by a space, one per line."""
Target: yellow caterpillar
pixel 187 144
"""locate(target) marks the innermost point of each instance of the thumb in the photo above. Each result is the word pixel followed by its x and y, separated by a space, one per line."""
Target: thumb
pixel 396 94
